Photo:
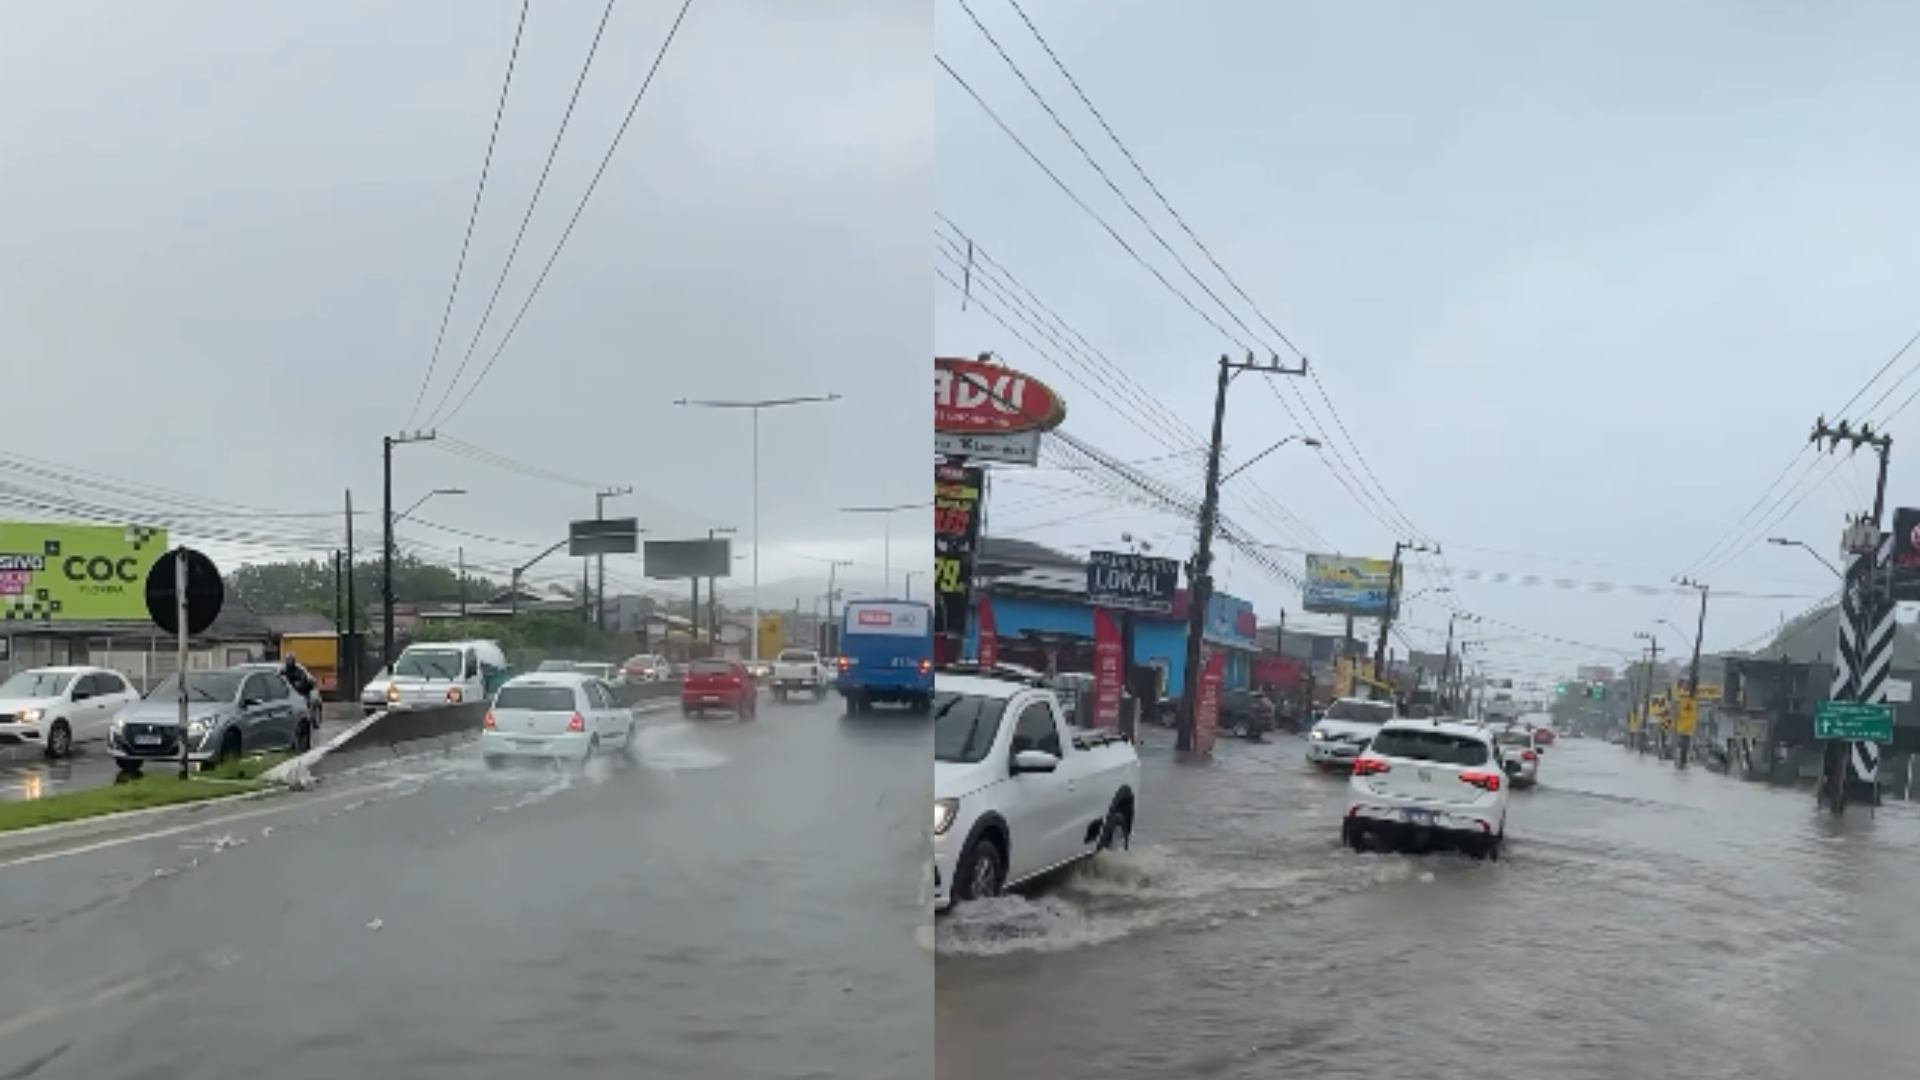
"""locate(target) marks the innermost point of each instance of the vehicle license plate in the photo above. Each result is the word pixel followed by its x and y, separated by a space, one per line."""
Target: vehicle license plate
pixel 526 744
pixel 1417 817
pixel 146 740
pixel 711 697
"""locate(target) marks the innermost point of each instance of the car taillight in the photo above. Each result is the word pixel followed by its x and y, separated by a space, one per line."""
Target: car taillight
pixel 845 663
pixel 1485 781
pixel 453 695
pixel 926 666
pixel 1367 766
pixel 1528 755
pixel 488 722
pixel 577 723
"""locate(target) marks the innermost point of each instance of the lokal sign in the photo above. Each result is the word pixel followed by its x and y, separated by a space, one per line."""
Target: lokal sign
pixel 979 397
pixel 1005 448
pixel 1118 579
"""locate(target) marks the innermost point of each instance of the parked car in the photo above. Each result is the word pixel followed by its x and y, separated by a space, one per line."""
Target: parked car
pixel 566 716
pixel 316 706
pixel 1344 730
pixel 719 684
pixel 53 708
pixel 1018 793
pixel 229 713
pixel 1428 781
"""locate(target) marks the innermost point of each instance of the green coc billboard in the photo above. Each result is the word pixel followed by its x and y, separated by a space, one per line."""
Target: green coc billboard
pixel 56 572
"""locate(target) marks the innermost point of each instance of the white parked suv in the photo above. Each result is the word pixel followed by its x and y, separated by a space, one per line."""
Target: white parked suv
pixel 1017 792
pixel 560 716
pixel 1428 783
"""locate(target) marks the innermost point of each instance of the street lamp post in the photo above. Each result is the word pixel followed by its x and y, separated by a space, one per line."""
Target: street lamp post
pixel 886 519
pixel 909 576
pixel 756 407
pixel 1781 541
pixel 387 551
pixel 713 594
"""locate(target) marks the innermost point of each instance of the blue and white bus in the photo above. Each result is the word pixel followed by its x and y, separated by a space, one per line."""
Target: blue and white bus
pixel 886 654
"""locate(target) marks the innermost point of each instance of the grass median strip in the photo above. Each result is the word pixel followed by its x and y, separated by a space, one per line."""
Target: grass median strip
pixel 147 793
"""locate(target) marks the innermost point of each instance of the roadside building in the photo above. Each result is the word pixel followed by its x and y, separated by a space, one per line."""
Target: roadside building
pixel 136 649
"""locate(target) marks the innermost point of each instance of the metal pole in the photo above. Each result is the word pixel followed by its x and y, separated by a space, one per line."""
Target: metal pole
pixel 351 661
pixel 180 645
pixel 463 582
pixel 386 551
pixel 754 637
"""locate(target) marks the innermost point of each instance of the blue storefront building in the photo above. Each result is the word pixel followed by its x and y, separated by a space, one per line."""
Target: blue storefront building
pixel 1041 618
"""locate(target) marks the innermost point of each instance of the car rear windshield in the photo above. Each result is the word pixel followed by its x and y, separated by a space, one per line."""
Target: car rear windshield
pixel 1514 738
pixel 964 726
pixel 535 698
pixel 710 667
pixel 1441 747
pixel 794 657
pixel 1364 712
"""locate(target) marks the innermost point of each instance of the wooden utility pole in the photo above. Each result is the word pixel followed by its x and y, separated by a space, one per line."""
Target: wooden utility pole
pixel 1200 568
pixel 1393 602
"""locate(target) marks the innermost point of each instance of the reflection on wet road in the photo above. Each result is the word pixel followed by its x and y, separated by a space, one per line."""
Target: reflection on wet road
pixel 742 904
pixel 1643 924
pixel 25 773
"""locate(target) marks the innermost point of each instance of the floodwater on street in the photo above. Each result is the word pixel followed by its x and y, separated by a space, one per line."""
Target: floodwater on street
pixel 745 903
pixel 1643 923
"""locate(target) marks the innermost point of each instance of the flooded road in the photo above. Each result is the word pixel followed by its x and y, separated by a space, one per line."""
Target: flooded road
pixel 1644 923
pixel 744 904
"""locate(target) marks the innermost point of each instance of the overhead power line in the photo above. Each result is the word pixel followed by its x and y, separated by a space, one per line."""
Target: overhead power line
pixel 573 222
pixel 473 216
pixel 533 203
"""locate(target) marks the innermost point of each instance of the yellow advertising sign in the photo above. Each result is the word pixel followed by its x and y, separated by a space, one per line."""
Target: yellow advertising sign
pixel 1689 711
pixel 56 572
pixel 1708 692
pixel 773 635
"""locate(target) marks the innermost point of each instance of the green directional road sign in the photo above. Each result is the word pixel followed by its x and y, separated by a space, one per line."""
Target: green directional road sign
pixel 1853 720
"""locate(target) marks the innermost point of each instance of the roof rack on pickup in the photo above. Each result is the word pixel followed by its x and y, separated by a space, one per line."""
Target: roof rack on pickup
pixel 1004 672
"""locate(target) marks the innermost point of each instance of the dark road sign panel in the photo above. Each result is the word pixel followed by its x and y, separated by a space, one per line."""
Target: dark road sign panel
pixel 206 593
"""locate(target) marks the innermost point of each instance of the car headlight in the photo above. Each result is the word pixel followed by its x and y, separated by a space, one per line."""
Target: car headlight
pixel 197 729
pixel 393 694
pixel 119 725
pixel 30 716
pixel 1317 735
pixel 944 811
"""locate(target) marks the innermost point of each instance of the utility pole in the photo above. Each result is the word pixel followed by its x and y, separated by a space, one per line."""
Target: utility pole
pixel 1646 706
pixel 1393 602
pixel 339 599
pixel 831 645
pixel 1866 616
pixel 1446 668
pixel 463 582
pixel 387 443
pixel 350 660
pixel 1693 668
pixel 600 561
pixel 1200 569
pixel 713 587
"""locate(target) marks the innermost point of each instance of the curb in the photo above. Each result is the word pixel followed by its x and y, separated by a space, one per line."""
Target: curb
pixel 122 816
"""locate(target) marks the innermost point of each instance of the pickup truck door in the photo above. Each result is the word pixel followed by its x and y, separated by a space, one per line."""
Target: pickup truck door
pixel 1044 826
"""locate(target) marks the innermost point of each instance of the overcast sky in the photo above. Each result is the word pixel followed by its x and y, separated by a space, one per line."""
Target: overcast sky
pixel 1577 278
pixel 231 229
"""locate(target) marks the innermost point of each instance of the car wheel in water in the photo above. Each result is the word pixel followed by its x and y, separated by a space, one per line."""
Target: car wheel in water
pixel 629 751
pixel 303 739
pixel 59 741
pixel 231 748
pixel 982 871
pixel 494 761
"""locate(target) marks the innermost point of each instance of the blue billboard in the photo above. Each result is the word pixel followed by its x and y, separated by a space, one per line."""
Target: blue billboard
pixel 1230 621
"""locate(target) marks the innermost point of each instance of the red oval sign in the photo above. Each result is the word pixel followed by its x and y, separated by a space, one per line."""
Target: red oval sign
pixel 971 397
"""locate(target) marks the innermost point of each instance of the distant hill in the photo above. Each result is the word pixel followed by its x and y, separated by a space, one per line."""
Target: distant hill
pixel 785 593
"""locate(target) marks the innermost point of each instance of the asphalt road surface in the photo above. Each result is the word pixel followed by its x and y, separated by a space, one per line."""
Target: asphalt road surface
pixel 1644 924
pixel 745 903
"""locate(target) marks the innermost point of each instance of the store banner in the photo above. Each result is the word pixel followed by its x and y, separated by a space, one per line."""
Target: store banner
pixel 987 652
pixel 1109 669
pixel 1206 713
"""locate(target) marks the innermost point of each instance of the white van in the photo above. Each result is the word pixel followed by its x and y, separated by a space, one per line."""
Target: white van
pixel 446 672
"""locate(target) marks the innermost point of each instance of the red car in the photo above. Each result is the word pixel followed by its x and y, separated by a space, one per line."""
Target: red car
pixel 1543 736
pixel 719 684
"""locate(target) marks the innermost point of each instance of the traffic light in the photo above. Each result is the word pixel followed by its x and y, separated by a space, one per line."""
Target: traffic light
pixel 1597 692
pixel 1561 690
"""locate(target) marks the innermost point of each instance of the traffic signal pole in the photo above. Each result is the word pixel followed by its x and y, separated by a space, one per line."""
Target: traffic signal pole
pixel 1693 671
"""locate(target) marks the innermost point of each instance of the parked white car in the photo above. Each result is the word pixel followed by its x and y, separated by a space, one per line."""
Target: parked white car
pixel 558 716
pixel 1429 782
pixel 799 671
pixel 1017 792
pixel 53 708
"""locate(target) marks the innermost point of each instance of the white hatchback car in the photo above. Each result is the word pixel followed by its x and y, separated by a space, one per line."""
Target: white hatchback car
pixel 559 716
pixel 1519 756
pixel 52 708
pixel 1429 782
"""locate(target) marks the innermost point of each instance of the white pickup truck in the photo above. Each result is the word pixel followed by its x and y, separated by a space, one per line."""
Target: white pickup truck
pixel 799 671
pixel 1017 792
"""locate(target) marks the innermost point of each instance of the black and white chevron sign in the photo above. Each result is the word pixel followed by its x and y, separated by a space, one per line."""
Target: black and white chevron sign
pixel 1865 654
